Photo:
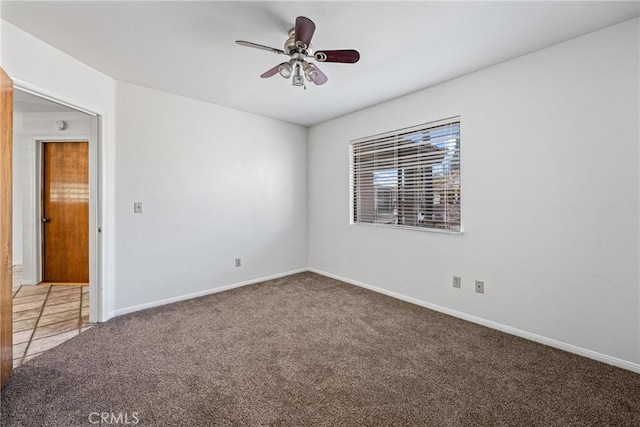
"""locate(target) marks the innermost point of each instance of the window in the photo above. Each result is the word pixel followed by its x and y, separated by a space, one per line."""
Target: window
pixel 409 177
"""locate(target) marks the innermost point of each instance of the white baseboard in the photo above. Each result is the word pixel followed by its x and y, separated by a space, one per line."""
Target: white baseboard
pixel 610 360
pixel 157 303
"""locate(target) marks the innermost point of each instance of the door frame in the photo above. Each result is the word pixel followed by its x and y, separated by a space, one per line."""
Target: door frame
pixel 96 197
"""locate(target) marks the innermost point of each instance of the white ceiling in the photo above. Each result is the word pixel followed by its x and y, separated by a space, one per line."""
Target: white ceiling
pixel 24 102
pixel 188 48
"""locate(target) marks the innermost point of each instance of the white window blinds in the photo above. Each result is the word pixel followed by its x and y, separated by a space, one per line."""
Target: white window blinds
pixel 409 177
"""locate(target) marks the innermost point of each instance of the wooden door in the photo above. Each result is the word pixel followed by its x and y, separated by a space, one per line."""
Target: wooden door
pixel 65 203
pixel 6 216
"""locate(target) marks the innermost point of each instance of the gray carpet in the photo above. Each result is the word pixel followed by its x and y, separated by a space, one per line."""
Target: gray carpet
pixel 308 350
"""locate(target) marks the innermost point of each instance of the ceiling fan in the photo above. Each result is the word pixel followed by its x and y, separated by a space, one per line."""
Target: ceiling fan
pixel 298 48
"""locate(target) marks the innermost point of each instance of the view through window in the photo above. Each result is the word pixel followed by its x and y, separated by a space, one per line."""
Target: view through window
pixel 409 177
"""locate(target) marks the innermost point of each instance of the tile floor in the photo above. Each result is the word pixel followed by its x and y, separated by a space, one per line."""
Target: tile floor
pixel 45 316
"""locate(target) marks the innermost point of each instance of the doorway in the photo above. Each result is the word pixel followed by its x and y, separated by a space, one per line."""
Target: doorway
pixel 43 121
pixel 65 212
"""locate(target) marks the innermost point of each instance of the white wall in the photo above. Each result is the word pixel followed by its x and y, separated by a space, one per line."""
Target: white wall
pixel 216 184
pixel 35 65
pixel 550 181
pixel 26 176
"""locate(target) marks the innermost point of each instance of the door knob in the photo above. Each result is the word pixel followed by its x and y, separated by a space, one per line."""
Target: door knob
pixel 45 219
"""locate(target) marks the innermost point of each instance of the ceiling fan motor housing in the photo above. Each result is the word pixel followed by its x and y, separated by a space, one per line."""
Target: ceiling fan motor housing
pixel 290 46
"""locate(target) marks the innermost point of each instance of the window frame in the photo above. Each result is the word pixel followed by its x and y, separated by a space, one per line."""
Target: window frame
pixel 422 127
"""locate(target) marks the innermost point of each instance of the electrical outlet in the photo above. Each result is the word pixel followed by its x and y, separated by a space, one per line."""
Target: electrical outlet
pixel 457 281
pixel 480 286
pixel 238 262
pixel 137 207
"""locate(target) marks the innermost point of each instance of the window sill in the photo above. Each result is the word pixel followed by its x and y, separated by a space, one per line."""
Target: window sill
pixel 407 227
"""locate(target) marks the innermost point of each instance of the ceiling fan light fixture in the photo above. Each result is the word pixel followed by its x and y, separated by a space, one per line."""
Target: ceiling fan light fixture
pixel 310 71
pixel 298 78
pixel 285 70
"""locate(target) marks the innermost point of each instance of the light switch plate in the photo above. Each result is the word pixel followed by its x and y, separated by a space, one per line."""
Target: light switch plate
pixel 457 281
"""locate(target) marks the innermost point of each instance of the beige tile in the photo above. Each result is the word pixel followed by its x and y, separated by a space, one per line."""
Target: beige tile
pixel 19 349
pixel 85 289
pixel 85 304
pixel 86 327
pixel 43 344
pixel 23 325
pixel 52 309
pixel 16 363
pixel 66 289
pixel 22 336
pixel 84 312
pixel 64 293
pixel 55 300
pixel 31 356
pixel 59 288
pixel 30 298
pixel 58 317
pixel 17 276
pixel 56 328
pixel 32 290
pixel 27 314
pixel 67 284
pixel 27 306
pixel 85 318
